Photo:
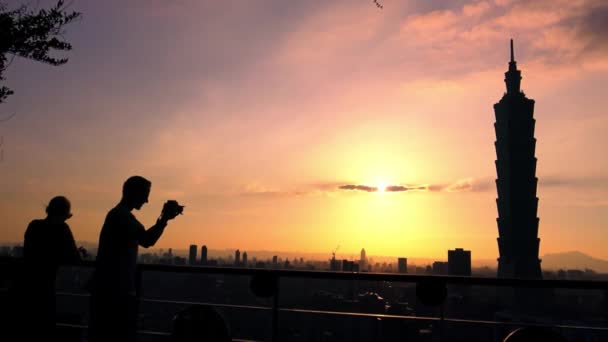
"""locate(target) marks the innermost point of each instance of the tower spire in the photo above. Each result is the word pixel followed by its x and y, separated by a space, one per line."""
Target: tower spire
pixel 513 76
pixel 512 54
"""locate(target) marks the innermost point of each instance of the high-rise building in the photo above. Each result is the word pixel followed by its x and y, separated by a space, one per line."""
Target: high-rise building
pixel 167 258
pixel 244 259
pixel 459 262
pixel 275 261
pixel 402 265
pixel 363 260
pixel 516 182
pixel 334 264
pixel 420 270
pixel 349 266
pixel 204 255
pixel 346 266
pixel 192 255
pixel 440 268
pixel 237 258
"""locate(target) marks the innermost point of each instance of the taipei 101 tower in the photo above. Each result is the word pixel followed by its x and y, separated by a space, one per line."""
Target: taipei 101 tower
pixel 516 184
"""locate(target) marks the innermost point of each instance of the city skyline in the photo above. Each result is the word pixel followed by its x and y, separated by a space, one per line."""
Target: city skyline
pixel 283 149
pixel 301 170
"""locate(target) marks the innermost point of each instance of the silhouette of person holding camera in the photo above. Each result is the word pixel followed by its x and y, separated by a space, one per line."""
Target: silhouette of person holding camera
pixel 48 243
pixel 113 300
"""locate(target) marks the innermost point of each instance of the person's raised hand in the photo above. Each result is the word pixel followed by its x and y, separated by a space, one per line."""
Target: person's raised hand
pixel 170 210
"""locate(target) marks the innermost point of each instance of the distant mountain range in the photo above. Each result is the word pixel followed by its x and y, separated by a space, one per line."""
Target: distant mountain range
pixel 573 260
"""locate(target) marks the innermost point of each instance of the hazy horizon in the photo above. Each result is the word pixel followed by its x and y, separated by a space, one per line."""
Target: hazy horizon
pixel 325 256
pixel 271 122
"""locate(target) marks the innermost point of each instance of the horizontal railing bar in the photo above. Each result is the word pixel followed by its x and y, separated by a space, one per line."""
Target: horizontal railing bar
pixel 142 332
pixel 359 314
pixel 362 314
pixel 526 324
pixel 178 302
pixel 365 276
pixel 452 320
pixel 139 331
pixel 372 315
pixel 71 294
pixel 230 306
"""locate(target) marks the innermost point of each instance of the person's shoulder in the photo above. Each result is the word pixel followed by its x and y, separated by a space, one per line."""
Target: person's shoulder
pixel 64 226
pixel 35 224
pixel 35 227
pixel 119 213
pixel 117 210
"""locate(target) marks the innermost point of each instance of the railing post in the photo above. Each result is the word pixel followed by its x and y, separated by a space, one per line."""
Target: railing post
pixel 606 304
pixel 275 312
pixel 442 321
pixel 138 276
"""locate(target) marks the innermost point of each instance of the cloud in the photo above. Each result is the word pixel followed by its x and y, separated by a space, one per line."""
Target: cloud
pixel 591 203
pixel 436 187
pixel 258 190
pixel 555 32
pixel 589 182
pixel 389 188
pixel 462 185
pixel 400 188
pixel 484 184
pixel 325 186
pixel 274 194
pixel 592 27
pixel 469 184
pixel 396 188
pixel 365 188
pixel 476 9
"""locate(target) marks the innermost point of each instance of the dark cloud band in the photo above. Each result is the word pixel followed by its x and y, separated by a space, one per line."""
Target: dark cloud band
pixel 365 188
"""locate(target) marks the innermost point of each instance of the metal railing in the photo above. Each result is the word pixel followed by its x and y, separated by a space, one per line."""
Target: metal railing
pixel 274 276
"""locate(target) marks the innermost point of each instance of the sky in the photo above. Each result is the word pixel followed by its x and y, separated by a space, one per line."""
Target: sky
pixel 269 120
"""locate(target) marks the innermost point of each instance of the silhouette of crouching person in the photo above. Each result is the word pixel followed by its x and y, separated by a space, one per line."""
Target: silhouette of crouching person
pixel 113 295
pixel 48 244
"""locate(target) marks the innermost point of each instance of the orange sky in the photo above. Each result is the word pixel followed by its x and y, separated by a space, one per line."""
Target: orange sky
pixel 254 114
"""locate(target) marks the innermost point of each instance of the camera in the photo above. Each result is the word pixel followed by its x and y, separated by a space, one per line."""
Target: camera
pixel 172 208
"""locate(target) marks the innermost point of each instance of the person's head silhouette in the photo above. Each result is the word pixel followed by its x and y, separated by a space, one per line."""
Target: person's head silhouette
pixel 59 209
pixel 135 192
